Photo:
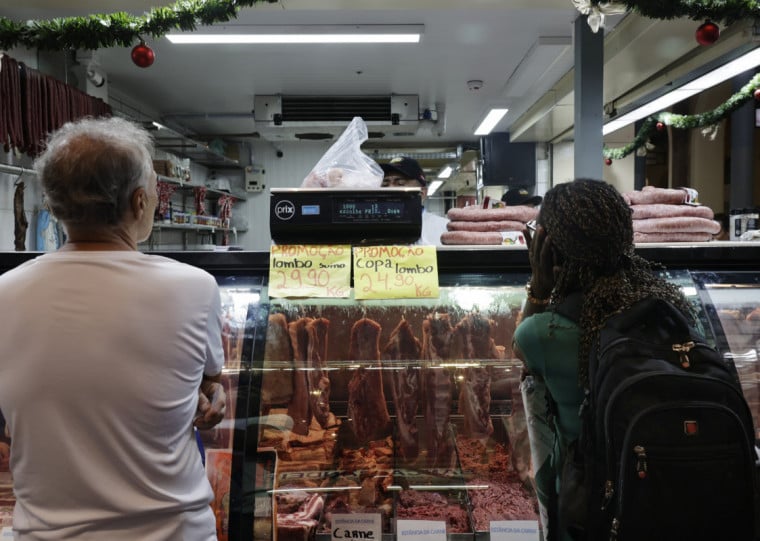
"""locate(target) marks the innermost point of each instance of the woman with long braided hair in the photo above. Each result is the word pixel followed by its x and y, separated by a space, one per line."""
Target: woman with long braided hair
pixel 583 263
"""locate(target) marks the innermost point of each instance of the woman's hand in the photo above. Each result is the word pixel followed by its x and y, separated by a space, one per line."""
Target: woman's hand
pixel 541 258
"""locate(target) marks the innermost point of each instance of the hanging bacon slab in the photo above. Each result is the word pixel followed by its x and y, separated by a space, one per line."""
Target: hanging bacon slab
pixel 437 333
pixel 317 379
pixel 19 217
pixel 474 334
pixel 277 379
pixel 299 408
pixel 367 409
pixel 403 347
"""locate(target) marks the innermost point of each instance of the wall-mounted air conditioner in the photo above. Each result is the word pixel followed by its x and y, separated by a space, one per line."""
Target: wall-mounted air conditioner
pixel 314 111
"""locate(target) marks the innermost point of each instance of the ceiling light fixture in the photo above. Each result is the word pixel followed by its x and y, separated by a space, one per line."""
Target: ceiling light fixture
pixel 445 172
pixel 309 34
pixel 744 63
pixel 433 187
pixel 493 117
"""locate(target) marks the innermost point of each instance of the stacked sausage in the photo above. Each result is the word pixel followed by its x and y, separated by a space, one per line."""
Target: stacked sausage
pixel 474 225
pixel 664 215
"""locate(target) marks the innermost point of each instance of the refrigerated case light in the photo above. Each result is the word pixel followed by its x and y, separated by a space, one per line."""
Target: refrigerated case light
pixel 460 365
pixel 310 489
pixel 437 487
pixel 747 356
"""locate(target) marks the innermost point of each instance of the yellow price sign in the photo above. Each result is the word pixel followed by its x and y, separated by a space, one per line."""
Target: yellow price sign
pixel 395 272
pixel 310 271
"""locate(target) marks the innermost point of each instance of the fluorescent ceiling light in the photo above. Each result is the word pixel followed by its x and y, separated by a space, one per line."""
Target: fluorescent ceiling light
pixel 493 117
pixel 433 187
pixel 445 172
pixel 744 63
pixel 280 34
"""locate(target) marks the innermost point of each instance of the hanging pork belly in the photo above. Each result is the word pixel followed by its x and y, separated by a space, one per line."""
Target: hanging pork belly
pixel 437 333
pixel 277 379
pixel 318 381
pixel 299 408
pixel 367 410
pixel 474 334
pixel 404 347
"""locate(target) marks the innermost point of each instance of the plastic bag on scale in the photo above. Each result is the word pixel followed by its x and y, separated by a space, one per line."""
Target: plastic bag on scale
pixel 344 165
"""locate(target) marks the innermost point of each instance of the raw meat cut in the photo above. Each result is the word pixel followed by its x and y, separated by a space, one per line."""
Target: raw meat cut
pixel 367 410
pixel 436 381
pixel 405 385
pixel 318 383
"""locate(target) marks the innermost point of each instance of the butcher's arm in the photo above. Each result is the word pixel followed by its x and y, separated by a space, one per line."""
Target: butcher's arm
pixel 211 402
pixel 211 396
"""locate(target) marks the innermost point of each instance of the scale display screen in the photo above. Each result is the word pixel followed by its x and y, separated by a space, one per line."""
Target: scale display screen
pixel 353 210
pixel 327 215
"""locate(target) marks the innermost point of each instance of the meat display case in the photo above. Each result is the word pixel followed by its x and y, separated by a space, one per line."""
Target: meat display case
pixel 327 411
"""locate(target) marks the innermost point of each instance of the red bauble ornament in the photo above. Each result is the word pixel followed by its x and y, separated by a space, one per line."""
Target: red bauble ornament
pixel 142 55
pixel 757 94
pixel 608 161
pixel 660 126
pixel 707 33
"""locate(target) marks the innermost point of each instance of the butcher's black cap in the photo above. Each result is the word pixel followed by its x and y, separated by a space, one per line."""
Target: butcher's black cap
pixel 407 167
pixel 520 196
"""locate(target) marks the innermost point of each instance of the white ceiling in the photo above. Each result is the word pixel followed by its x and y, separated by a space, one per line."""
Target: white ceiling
pixel 209 89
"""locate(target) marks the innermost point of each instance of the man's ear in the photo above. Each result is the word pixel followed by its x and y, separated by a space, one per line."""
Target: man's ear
pixel 139 201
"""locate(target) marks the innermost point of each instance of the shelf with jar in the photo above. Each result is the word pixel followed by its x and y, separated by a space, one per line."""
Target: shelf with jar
pixel 211 193
pixel 177 212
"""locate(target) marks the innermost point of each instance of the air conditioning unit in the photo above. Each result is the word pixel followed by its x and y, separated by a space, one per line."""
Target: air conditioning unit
pixel 393 112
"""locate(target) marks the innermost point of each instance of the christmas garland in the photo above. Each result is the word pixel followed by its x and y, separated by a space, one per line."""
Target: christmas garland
pixel 717 10
pixel 663 119
pixel 122 29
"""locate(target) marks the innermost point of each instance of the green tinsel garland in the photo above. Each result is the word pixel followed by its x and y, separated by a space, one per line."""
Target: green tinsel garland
pixel 122 29
pixel 727 11
pixel 709 118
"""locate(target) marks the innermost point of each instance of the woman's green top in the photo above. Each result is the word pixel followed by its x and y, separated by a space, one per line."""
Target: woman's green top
pixel 549 345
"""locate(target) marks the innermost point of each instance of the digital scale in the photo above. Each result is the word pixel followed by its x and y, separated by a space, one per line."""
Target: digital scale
pixel 355 216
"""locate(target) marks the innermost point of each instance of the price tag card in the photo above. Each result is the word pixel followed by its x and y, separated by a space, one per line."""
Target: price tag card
pixel 357 526
pixel 514 530
pixel 395 272
pixel 310 271
pixel 6 533
pixel 420 530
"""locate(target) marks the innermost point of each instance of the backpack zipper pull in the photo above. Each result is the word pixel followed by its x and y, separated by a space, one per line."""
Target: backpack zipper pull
pixel 614 529
pixel 682 350
pixel 641 461
pixel 609 490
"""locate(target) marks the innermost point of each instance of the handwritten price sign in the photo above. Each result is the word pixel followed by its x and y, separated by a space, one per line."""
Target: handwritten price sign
pixel 395 272
pixel 310 271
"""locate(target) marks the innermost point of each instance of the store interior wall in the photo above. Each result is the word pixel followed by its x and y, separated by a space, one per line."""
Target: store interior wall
pixel 287 163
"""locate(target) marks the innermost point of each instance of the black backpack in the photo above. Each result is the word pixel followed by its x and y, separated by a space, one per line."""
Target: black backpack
pixel 667 448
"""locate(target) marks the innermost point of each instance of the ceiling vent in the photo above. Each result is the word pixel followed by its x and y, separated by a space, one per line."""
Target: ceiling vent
pixel 302 111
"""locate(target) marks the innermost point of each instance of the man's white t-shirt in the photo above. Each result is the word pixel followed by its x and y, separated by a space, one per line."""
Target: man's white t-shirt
pixel 101 357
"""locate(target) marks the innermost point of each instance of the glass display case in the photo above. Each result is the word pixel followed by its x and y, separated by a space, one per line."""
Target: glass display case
pixel 406 409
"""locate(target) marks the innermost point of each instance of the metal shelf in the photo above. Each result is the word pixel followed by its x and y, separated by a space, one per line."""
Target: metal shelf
pixel 197 228
pixel 209 191
pixel 184 147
